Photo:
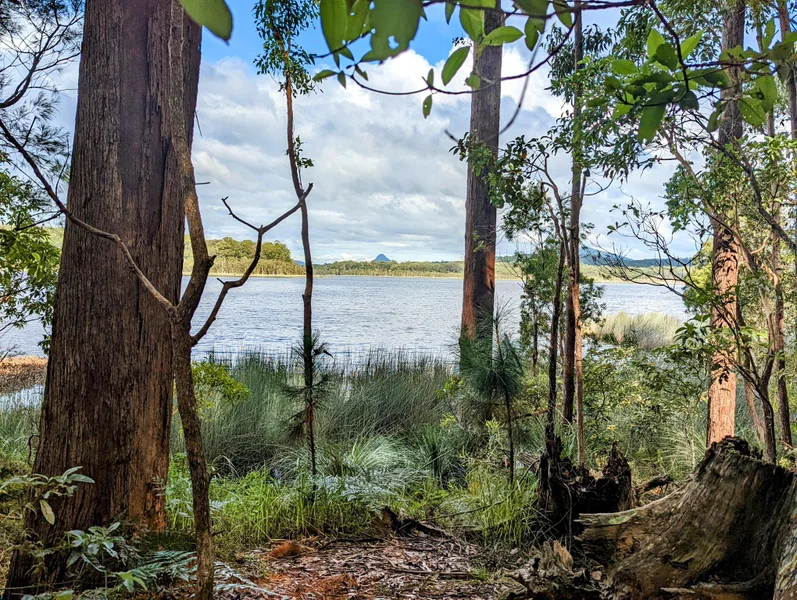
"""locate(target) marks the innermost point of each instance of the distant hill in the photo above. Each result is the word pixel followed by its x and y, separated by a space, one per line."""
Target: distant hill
pixel 591 256
pixel 381 258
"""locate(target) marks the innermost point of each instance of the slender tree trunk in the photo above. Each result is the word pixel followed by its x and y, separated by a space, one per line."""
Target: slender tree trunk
pixel 791 93
pixel 478 300
pixel 307 300
pixel 725 260
pixel 197 463
pixel 552 358
pixel 758 426
pixel 108 396
pixel 573 396
pixel 535 345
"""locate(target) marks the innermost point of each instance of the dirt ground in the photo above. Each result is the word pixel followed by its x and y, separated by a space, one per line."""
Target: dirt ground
pixel 20 372
pixel 416 567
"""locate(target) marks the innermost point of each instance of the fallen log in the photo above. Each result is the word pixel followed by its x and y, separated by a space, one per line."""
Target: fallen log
pixel 729 532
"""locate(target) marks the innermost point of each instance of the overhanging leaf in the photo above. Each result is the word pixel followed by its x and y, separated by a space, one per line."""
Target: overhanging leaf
pixel 505 34
pixel 427 106
pixel 650 121
pixel 655 39
pixel 622 66
pixel 562 11
pixel 213 14
pixel 334 22
pixel 472 21
pixel 453 64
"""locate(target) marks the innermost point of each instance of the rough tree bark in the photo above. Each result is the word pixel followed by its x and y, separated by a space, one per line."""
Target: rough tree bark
pixel 791 92
pixel 478 298
pixel 572 366
pixel 725 255
pixel 729 532
pixel 108 397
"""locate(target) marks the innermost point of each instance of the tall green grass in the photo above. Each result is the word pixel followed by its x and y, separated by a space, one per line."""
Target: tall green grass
pixel 19 423
pixel 647 331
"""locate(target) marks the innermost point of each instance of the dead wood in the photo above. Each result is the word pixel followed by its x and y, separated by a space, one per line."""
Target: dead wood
pixel 728 532
pixel 568 490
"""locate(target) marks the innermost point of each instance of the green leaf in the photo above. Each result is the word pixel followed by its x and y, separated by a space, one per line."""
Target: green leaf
pixel 689 44
pixel 562 11
pixel 356 21
pixel 78 478
pixel 537 10
pixel 47 512
pixel 505 34
pixel 532 34
pixel 620 110
pixel 667 56
pixel 474 81
pixel 650 121
pixel 427 106
pixel 752 111
pixel 717 78
pixel 655 39
pixel 395 24
pixel 769 33
pixel 472 21
pixel 714 121
pixel 342 79
pixel 213 14
pixel 622 66
pixel 321 75
pixel 334 22
pixel 768 88
pixel 453 64
pixel 689 101
pixel 450 6
pixel 430 78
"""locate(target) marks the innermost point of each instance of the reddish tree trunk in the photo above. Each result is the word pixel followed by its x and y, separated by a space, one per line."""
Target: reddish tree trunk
pixel 725 261
pixel 478 298
pixel 108 397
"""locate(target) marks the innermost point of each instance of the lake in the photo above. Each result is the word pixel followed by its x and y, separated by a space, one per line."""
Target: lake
pixel 356 313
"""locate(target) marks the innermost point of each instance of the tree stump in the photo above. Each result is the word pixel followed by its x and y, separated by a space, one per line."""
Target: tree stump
pixel 568 490
pixel 729 532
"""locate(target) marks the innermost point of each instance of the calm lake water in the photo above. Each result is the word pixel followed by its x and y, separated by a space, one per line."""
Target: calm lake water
pixel 356 313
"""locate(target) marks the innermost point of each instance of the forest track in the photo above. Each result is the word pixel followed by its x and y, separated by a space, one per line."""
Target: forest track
pixel 414 567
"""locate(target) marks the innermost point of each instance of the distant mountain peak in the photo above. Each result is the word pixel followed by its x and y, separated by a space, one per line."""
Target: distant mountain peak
pixel 381 258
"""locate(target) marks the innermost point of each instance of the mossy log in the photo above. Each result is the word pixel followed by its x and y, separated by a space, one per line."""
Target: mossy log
pixel 729 532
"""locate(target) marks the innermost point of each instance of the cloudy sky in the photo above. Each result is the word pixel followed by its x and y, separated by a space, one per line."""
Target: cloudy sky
pixel 384 179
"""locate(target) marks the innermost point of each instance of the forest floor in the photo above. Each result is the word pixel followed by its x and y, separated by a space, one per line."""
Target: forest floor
pixel 413 567
pixel 20 372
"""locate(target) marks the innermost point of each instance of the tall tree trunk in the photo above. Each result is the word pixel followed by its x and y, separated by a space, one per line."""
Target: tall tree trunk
pixel 573 390
pixel 725 260
pixel 478 298
pixel 791 93
pixel 552 353
pixel 108 396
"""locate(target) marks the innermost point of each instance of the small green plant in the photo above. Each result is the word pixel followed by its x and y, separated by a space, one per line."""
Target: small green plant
pixel 43 489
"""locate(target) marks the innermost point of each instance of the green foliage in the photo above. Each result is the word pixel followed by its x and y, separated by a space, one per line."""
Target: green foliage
pixel 214 384
pixel 42 490
pixel 279 23
pixel 213 14
pixel 28 261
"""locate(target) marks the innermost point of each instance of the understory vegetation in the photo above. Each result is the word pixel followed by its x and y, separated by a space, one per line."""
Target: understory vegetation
pixel 402 430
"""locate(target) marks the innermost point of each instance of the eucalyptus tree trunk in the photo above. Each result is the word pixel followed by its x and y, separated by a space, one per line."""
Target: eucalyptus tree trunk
pixel 725 252
pixel 573 375
pixel 478 298
pixel 553 365
pixel 108 396
pixel 791 92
